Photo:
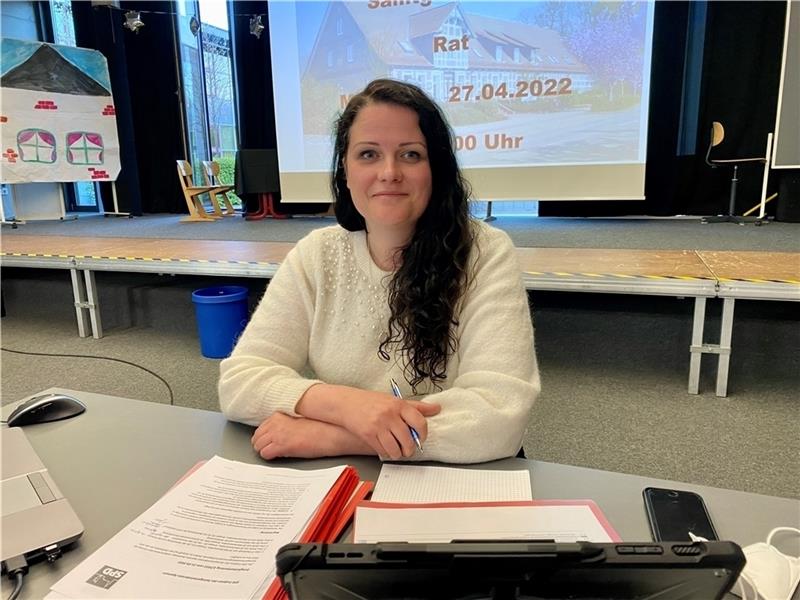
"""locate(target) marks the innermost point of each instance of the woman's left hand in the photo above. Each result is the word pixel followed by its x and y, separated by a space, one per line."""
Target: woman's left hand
pixel 281 435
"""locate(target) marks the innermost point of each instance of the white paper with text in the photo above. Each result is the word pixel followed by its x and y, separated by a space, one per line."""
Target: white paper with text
pixel 214 535
pixel 420 484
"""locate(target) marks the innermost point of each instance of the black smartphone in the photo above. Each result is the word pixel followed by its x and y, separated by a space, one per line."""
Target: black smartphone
pixel 674 513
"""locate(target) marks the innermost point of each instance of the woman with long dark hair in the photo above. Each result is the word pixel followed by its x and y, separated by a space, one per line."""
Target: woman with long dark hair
pixel 407 288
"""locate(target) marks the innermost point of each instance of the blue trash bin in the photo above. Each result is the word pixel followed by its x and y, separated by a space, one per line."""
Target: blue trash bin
pixel 221 314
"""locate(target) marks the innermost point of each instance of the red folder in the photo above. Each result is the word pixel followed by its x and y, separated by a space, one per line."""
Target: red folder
pixel 331 518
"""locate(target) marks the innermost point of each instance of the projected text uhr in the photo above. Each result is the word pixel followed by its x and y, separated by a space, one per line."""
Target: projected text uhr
pixel 491 141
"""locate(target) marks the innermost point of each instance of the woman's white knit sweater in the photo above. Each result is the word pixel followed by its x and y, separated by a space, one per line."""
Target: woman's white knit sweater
pixel 325 313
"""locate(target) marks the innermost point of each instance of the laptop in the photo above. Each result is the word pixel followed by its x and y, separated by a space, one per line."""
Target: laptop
pixel 36 518
pixel 510 570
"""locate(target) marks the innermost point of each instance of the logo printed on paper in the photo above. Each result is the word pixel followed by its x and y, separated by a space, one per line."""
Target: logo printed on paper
pixel 106 577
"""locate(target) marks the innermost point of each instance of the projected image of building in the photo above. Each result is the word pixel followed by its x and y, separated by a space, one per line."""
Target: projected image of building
pixel 523 84
pixel 455 56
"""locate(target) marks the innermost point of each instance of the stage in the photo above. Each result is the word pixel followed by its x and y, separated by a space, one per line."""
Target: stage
pixel 93 244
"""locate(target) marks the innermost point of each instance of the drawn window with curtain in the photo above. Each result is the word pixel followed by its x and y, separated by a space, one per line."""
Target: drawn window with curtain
pixel 84 148
pixel 36 145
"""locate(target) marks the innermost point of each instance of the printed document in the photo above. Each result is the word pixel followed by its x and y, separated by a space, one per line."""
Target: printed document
pixel 558 520
pixel 420 484
pixel 214 535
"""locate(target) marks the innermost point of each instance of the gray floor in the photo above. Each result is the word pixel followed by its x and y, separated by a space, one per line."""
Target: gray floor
pixel 614 368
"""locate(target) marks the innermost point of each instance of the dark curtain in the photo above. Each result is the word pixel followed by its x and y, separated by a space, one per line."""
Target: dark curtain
pixel 742 62
pixel 100 28
pixel 739 88
pixel 153 77
pixel 256 103
pixel 253 73
pixel 253 80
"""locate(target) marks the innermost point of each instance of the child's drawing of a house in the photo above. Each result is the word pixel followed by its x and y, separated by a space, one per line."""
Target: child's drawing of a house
pixel 58 120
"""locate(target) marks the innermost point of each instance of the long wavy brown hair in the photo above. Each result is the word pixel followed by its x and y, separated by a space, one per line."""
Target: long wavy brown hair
pixel 424 293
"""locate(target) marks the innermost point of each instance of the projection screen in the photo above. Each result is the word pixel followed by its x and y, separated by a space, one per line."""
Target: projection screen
pixel 548 100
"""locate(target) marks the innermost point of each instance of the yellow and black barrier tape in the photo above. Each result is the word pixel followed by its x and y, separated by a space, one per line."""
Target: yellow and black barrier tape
pixel 138 258
pixel 36 255
pixel 753 280
pixel 562 274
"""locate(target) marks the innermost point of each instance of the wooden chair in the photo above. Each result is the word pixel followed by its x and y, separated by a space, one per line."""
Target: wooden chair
pixel 211 179
pixel 192 193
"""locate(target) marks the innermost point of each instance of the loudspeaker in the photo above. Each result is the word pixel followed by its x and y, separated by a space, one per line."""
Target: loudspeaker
pixel 788 209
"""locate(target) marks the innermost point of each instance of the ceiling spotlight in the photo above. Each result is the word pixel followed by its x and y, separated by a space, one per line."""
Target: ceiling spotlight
pixel 256 27
pixel 194 25
pixel 133 21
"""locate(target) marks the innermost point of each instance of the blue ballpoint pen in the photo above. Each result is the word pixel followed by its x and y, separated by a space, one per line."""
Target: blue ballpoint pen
pixel 396 393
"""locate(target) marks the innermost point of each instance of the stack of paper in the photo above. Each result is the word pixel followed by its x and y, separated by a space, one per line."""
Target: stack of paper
pixel 215 534
pixel 417 484
pixel 439 505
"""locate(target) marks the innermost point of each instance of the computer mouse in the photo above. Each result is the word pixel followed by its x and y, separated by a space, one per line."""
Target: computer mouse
pixel 45 408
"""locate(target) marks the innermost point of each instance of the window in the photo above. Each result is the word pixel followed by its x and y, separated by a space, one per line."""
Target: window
pixel 208 91
pixel 84 148
pixel 453 29
pixel 19 20
pixel 407 48
pixel 63 23
pixel 349 53
pixel 36 145
pixel 339 26
pixel 330 59
pixel 228 140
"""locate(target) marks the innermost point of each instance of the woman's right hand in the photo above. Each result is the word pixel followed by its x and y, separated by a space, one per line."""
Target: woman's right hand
pixel 380 420
pixel 383 422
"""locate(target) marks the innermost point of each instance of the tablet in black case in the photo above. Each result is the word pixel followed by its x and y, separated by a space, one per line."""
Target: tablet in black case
pixel 509 570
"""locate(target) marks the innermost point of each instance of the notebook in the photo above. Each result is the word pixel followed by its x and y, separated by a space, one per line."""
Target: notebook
pixel 510 570
pixel 36 518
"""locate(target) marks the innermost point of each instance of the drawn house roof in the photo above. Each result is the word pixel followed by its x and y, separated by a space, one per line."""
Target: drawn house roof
pixel 406 43
pixel 47 71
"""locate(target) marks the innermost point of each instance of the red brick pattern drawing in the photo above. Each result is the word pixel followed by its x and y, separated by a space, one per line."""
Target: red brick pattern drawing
pixel 10 155
pixel 45 105
pixel 97 173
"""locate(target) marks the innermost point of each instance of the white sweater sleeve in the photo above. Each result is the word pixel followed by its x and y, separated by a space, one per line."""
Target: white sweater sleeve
pixel 485 412
pixel 262 375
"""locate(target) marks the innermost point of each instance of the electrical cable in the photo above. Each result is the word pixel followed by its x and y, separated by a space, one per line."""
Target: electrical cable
pixel 119 360
pixel 19 578
pixel 16 567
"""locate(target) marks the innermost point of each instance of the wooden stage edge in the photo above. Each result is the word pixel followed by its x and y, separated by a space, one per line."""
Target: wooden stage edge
pixel 251 258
